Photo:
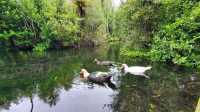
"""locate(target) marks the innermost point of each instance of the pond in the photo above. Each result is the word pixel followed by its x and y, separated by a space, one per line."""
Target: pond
pixel 49 82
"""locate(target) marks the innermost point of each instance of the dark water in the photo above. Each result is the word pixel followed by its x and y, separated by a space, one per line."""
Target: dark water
pixel 49 82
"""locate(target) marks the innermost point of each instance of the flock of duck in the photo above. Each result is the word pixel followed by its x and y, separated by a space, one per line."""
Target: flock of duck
pixel 101 77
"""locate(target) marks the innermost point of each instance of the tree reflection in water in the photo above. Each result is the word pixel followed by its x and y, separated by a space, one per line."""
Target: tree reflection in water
pixel 44 77
pixel 168 90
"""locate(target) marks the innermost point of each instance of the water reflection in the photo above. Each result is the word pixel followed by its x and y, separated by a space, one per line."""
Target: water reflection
pixel 159 94
pixel 50 82
pixel 77 99
pixel 42 80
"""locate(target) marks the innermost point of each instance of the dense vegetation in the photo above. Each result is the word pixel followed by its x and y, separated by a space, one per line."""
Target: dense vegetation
pixel 28 24
pixel 165 30
pixel 161 30
pixel 42 24
pixel 158 30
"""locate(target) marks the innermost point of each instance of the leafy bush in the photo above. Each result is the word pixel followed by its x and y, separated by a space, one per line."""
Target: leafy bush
pixel 179 41
pixel 168 28
pixel 45 20
pixel 136 20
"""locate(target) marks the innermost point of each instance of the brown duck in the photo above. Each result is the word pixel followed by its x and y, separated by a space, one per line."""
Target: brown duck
pixel 104 63
pixel 99 77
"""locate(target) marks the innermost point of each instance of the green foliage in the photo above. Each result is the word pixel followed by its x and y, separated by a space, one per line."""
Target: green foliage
pixel 45 20
pixel 51 21
pixel 40 47
pixel 6 35
pixel 113 40
pixel 136 20
pixel 128 53
pixel 179 41
pixel 168 28
pixel 97 20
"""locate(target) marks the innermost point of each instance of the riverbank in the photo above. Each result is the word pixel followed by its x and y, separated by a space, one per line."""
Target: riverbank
pixel 127 54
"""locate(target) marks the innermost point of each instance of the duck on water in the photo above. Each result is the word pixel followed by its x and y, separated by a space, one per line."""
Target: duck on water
pixel 99 77
pixel 104 63
pixel 135 70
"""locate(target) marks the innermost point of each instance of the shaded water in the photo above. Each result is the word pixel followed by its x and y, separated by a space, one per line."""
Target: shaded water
pixel 49 82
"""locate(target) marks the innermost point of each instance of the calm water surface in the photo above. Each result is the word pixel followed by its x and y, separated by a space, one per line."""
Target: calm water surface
pixel 49 82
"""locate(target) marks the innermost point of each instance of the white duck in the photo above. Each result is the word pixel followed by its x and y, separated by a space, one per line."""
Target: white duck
pixel 135 70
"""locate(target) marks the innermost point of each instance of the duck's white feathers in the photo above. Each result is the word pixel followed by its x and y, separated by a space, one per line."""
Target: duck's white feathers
pixel 99 74
pixel 136 70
